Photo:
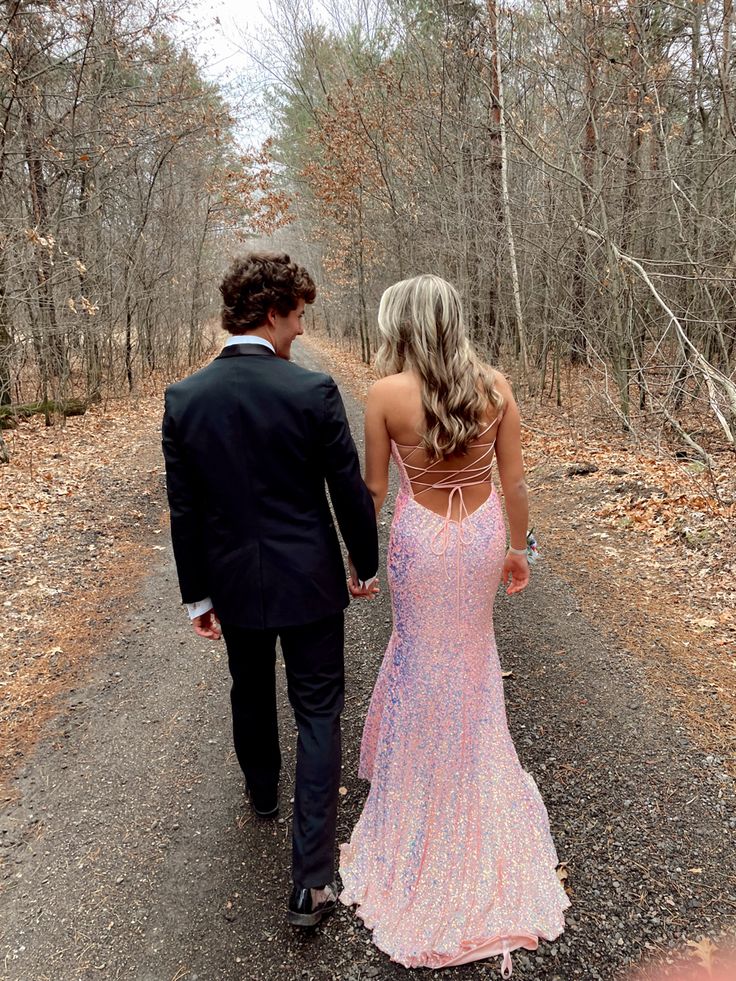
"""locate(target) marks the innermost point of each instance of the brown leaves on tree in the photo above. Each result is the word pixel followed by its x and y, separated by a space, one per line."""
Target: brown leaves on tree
pixel 357 134
pixel 247 199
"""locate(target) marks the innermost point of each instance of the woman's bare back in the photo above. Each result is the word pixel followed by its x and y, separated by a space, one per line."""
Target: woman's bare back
pixel 433 482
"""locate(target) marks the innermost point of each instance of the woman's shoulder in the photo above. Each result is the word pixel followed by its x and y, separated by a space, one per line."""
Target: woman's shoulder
pixel 499 381
pixel 390 387
pixel 495 373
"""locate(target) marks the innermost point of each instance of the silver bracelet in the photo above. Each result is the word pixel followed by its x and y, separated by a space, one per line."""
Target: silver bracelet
pixel 517 551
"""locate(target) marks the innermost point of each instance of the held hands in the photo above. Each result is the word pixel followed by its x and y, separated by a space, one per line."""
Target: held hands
pixel 356 590
pixel 207 625
pixel 363 592
pixel 515 573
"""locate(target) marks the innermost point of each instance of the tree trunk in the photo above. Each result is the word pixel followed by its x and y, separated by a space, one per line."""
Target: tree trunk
pixel 49 407
pixel 128 342
pixel 497 94
pixel 53 351
pixel 6 346
pixel 727 121
pixel 588 151
pixel 194 345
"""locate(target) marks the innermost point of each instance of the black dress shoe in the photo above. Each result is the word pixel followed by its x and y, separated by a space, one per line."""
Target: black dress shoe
pixel 266 815
pixel 265 809
pixel 308 906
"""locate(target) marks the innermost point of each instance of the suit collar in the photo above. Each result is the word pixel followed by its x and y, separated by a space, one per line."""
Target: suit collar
pixel 236 350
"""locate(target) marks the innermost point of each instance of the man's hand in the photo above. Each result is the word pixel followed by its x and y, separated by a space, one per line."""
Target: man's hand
pixel 207 625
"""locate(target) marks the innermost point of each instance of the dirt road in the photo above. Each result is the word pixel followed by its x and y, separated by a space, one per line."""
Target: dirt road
pixel 130 852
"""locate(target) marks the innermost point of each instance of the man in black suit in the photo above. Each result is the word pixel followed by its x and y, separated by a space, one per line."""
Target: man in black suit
pixel 250 442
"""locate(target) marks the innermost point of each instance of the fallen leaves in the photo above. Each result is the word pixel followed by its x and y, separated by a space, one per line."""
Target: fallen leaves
pixel 69 552
pixel 703 951
pixel 705 623
pixel 563 876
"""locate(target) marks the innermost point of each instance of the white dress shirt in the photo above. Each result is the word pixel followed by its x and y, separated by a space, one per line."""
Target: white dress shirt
pixel 202 606
pixel 248 339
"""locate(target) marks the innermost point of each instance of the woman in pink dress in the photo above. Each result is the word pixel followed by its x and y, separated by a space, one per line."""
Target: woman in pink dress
pixel 451 859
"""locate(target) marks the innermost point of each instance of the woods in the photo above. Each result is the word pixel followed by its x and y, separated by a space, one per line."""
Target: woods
pixel 569 165
pixel 119 174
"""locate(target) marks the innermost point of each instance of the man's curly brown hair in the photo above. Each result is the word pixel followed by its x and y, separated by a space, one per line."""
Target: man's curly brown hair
pixel 261 281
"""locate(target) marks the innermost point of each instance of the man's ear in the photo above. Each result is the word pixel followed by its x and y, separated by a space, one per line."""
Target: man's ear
pixel 271 317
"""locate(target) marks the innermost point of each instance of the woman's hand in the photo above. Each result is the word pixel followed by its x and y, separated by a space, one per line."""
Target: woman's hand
pixel 354 587
pixel 515 573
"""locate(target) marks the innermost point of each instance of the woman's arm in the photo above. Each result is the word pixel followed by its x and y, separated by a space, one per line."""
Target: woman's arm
pixel 377 445
pixel 511 472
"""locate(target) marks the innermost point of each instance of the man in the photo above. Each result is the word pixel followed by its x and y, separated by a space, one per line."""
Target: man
pixel 249 442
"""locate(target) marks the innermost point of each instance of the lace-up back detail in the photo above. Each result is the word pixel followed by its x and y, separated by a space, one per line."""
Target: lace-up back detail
pixel 419 480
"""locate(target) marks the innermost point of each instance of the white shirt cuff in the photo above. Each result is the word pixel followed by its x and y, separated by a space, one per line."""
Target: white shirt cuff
pixel 368 582
pixel 198 608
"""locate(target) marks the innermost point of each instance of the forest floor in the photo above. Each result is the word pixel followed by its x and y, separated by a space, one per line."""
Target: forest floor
pixel 80 506
pixel 128 848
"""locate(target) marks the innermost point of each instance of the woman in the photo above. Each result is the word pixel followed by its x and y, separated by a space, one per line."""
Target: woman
pixel 451 860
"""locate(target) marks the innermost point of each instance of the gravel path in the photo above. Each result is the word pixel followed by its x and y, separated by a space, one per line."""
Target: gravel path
pixel 130 851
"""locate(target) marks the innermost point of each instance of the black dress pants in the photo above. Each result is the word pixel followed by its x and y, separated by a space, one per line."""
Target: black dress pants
pixel 313 658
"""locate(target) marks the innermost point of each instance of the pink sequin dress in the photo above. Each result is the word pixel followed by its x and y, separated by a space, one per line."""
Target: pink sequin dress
pixel 451 859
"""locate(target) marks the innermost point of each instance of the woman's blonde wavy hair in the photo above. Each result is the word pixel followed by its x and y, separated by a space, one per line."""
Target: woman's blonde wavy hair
pixel 422 327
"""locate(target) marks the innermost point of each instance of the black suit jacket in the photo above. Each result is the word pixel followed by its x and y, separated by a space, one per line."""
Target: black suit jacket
pixel 249 443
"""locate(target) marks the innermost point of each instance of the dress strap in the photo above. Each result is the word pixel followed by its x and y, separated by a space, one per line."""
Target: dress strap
pixel 472 474
pixel 415 446
pixel 507 968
